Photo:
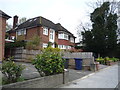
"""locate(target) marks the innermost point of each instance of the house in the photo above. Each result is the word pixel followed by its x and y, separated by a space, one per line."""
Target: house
pixel 46 30
pixel 3 18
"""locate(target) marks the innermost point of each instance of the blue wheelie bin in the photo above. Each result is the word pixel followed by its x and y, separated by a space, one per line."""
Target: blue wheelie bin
pixel 78 63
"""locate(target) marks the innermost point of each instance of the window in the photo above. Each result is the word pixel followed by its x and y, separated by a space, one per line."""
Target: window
pixel 63 36
pixel 45 45
pixel 64 47
pixel 45 31
pixel 72 39
pixel 52 35
pixel 21 32
pixel 60 35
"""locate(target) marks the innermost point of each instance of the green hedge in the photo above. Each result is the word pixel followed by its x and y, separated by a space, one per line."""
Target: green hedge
pixel 15 44
pixel 50 62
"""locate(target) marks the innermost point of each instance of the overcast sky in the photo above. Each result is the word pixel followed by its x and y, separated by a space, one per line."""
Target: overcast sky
pixel 70 13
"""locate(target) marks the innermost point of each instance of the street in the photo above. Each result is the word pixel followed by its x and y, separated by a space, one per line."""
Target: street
pixel 106 78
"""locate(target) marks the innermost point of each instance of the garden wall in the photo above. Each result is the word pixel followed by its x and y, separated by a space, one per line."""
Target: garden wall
pixel 21 54
pixel 43 82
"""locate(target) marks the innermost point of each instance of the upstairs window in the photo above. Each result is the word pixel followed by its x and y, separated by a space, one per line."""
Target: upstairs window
pixel 72 39
pixel 21 32
pixel 63 36
pixel 45 31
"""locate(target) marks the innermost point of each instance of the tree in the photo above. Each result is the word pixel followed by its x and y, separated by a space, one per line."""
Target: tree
pixel 23 19
pixel 8 27
pixel 102 37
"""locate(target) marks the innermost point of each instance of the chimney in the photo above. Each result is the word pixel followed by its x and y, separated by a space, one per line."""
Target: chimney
pixel 15 21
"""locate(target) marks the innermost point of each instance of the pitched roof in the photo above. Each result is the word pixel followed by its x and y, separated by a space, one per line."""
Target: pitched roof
pixel 2 14
pixel 41 21
pixel 37 21
pixel 59 27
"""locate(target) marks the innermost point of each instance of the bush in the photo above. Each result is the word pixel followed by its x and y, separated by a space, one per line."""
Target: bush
pixel 15 44
pixel 100 60
pixel 33 44
pixel 106 59
pixel 11 70
pixel 50 62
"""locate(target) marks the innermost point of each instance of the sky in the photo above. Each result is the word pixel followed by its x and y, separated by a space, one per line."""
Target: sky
pixel 70 13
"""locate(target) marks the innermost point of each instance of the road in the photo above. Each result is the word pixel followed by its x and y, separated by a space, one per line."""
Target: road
pixel 106 78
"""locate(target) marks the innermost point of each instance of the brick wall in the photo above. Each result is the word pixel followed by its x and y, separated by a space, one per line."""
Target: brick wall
pixel 65 42
pixel 2 36
pixel 44 38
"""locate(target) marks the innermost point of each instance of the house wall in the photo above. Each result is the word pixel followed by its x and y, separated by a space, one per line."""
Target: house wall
pixel 2 36
pixel 31 33
pixel 65 42
pixel 44 38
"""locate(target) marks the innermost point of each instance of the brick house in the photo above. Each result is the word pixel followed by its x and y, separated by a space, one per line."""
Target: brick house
pixel 46 29
pixel 3 18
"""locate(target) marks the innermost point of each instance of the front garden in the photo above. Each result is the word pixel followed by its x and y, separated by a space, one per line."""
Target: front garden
pixel 50 62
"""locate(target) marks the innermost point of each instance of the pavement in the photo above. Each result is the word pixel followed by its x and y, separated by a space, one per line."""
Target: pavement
pixel 105 78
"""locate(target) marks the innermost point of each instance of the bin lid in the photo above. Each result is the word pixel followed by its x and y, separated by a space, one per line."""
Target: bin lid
pixel 78 58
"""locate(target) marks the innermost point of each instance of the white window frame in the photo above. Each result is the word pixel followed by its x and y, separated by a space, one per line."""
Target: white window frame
pixel 21 32
pixel 45 45
pixel 52 35
pixel 62 36
pixel 45 30
pixel 72 39
pixel 65 36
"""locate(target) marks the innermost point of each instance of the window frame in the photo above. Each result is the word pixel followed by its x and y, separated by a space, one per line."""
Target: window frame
pixel 45 31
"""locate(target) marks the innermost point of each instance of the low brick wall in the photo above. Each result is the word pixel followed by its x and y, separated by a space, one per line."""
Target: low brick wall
pixel 43 82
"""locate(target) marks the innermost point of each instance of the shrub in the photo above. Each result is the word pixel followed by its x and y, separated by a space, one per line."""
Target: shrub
pixel 49 62
pixel 15 44
pixel 100 60
pixel 11 70
pixel 33 44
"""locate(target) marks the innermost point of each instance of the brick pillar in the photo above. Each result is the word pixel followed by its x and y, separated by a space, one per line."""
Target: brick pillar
pixel 2 36
pixel 3 18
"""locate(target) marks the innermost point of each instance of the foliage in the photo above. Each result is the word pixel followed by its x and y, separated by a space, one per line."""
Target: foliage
pixel 49 62
pixel 100 60
pixel 49 44
pixel 15 44
pixel 20 38
pixel 33 43
pixel 8 27
pixel 102 38
pixel 56 45
pixel 22 20
pixel 11 70
pixel 106 59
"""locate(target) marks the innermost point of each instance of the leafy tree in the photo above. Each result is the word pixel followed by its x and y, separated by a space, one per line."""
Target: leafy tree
pixel 22 20
pixel 8 27
pixel 102 37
